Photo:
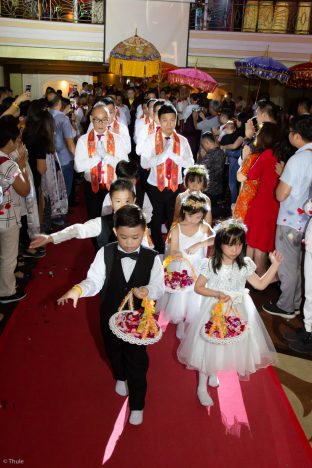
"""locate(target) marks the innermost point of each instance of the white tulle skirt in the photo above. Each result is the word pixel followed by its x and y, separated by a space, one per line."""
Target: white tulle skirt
pixel 180 306
pixel 246 356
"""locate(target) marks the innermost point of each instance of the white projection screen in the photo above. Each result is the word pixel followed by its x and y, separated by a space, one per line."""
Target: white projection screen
pixel 163 23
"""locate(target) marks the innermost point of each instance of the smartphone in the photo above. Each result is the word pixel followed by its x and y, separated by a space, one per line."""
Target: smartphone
pixel 72 103
pixel 28 88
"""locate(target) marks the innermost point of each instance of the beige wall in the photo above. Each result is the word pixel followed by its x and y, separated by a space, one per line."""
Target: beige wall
pixel 51 40
pixel 16 83
pixel 39 82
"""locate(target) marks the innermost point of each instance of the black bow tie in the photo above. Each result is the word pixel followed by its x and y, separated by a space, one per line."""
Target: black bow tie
pixel 132 255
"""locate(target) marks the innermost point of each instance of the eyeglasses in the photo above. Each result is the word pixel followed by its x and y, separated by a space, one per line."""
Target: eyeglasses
pixel 97 121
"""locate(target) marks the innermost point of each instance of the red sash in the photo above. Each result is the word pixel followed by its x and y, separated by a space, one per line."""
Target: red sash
pixel 97 172
pixel 168 170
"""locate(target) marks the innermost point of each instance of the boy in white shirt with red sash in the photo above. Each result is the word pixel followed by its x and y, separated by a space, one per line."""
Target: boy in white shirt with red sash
pixel 149 127
pixel 165 153
pixel 97 154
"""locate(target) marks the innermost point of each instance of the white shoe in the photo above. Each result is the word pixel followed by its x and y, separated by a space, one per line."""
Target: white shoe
pixel 213 381
pixel 180 331
pixel 204 397
pixel 122 388
pixel 136 417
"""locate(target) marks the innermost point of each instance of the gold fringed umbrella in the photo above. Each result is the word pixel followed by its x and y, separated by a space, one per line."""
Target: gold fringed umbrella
pixel 134 57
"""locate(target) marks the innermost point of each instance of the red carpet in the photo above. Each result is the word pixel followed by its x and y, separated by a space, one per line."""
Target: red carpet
pixel 58 406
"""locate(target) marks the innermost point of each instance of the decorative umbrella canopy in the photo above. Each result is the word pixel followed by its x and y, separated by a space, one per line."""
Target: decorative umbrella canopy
pixel 264 68
pixel 134 57
pixel 166 67
pixel 301 75
pixel 194 78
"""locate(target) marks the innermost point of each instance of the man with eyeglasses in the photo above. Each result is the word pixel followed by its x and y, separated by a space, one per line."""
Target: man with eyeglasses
pixel 97 154
pixel 115 125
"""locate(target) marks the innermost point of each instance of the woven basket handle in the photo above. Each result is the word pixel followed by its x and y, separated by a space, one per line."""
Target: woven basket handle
pixel 127 299
pixel 167 262
pixel 230 308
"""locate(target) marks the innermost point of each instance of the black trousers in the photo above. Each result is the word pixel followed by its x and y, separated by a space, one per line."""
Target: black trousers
pixel 163 210
pixel 94 201
pixel 129 362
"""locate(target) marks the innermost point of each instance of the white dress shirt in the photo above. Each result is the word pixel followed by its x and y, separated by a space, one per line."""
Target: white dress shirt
pixel 91 228
pixel 149 159
pixel 142 135
pixel 139 124
pixel 125 113
pixel 139 111
pixel 123 133
pixel 147 207
pixel 82 161
pixel 122 118
pixel 94 282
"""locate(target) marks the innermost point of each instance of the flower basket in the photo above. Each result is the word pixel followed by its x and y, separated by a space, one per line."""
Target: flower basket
pixel 136 326
pixel 176 281
pixel 225 325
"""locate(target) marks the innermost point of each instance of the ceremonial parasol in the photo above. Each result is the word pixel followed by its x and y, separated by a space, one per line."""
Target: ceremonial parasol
pixel 263 67
pixel 301 75
pixel 134 57
pixel 165 68
pixel 194 78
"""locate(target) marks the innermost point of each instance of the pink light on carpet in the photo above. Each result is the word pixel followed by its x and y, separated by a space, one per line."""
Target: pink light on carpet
pixel 163 322
pixel 117 431
pixel 232 407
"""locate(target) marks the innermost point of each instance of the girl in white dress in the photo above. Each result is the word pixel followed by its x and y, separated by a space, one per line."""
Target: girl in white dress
pixel 222 279
pixel 195 180
pixel 189 240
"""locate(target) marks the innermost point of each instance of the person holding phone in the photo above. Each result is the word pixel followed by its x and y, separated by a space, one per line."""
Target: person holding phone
pixel 64 139
pixel 14 108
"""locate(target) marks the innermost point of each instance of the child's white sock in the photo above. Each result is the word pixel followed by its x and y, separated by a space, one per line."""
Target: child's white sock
pixel 121 388
pixel 213 381
pixel 180 331
pixel 136 417
pixel 202 391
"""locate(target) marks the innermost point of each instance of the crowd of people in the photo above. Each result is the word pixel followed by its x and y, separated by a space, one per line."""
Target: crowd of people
pixel 156 169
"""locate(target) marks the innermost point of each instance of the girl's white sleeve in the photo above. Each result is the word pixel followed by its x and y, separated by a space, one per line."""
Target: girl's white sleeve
pixel 205 267
pixel 250 265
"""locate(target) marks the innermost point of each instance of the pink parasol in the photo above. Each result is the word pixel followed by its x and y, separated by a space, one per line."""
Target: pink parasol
pixel 194 78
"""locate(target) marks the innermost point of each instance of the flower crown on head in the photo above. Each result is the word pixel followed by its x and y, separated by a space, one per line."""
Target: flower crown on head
pixel 198 169
pixel 195 204
pixel 230 224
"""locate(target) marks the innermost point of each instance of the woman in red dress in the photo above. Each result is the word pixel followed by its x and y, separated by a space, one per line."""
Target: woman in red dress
pixel 262 214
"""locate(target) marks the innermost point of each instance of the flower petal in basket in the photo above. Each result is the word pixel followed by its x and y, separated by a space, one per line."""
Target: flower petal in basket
pixel 124 325
pixel 225 325
pixel 180 290
pixel 176 281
